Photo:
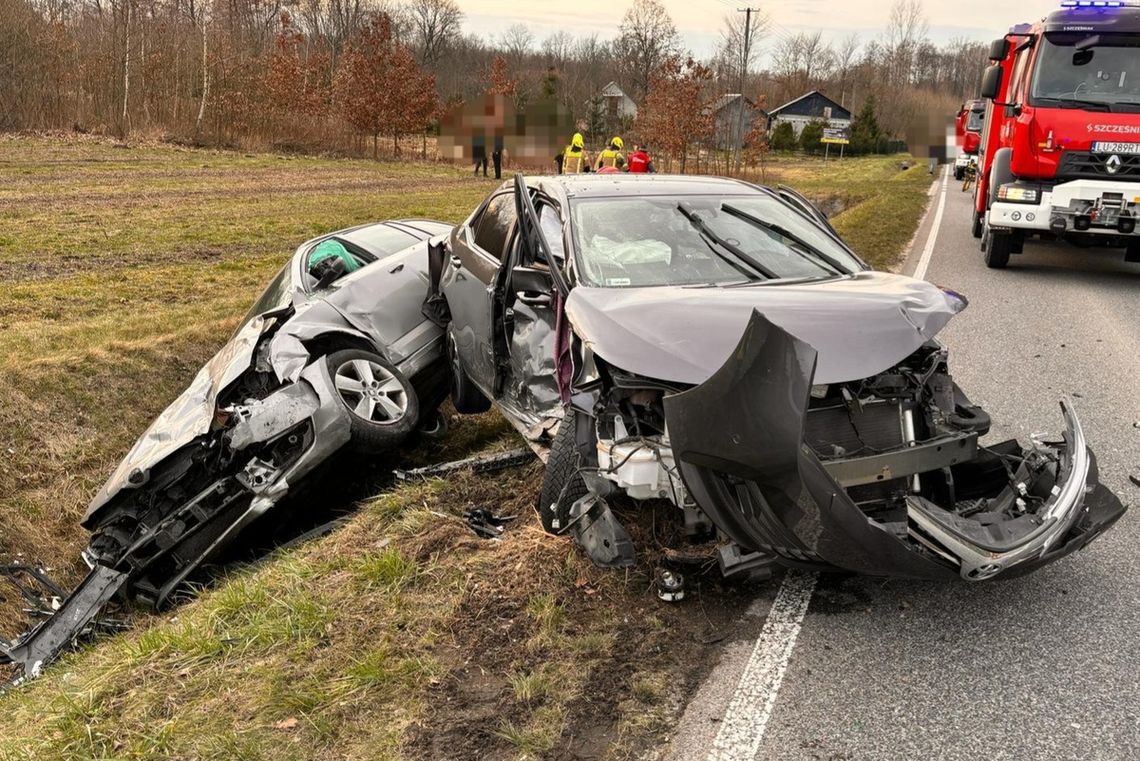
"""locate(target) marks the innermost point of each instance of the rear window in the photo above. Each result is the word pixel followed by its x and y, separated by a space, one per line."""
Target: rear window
pixel 380 240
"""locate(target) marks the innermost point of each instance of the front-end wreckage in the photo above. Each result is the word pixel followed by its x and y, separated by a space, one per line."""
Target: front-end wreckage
pixel 807 443
pixel 299 380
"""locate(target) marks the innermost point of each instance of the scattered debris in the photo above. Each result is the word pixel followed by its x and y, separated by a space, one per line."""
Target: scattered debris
pixel 482 464
pixel 486 524
pixel 670 585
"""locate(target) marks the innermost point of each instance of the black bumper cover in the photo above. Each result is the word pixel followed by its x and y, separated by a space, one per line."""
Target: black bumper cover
pixel 739 442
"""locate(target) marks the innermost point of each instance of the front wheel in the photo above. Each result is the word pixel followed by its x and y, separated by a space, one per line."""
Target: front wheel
pixel 998 248
pixel 562 483
pixel 382 405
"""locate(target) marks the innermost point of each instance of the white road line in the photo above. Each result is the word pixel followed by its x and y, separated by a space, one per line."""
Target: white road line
pixel 928 252
pixel 747 716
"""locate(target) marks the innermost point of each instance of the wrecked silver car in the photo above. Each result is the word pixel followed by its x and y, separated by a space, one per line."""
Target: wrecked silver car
pixel 715 345
pixel 334 352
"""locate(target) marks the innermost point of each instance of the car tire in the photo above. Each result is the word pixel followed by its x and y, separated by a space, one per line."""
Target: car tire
pixel 383 408
pixel 562 484
pixel 998 248
pixel 977 230
pixel 466 397
pixel 1132 253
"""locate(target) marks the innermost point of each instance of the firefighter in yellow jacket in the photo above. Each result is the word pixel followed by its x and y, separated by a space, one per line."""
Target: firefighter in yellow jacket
pixel 574 158
pixel 612 156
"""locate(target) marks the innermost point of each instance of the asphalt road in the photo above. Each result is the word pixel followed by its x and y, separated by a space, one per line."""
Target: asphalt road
pixel 1043 667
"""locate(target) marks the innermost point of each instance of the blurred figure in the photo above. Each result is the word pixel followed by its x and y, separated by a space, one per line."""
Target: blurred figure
pixel 479 152
pixel 640 162
pixel 612 155
pixel 574 159
pixel 497 156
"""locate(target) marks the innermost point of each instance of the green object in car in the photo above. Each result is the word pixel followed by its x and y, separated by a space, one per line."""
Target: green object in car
pixel 329 249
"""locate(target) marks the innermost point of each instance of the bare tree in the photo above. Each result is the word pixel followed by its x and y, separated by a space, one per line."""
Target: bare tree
pixel 647 38
pixel 845 57
pixel 558 48
pixel 517 41
pixel 435 24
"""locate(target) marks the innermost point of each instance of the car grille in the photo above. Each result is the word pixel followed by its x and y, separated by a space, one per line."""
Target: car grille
pixel 1082 165
pixel 837 432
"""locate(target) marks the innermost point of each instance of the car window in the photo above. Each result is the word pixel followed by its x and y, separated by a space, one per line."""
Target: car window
pixel 495 224
pixel 552 230
pixel 380 240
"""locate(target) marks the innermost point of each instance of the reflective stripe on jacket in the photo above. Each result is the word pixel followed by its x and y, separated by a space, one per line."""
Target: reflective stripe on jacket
pixel 573 160
pixel 609 157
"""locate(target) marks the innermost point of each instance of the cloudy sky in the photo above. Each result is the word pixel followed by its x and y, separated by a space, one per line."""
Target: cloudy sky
pixel 700 20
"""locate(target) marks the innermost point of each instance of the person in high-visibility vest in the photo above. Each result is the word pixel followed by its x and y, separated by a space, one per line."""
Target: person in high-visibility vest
pixel 574 157
pixel 612 155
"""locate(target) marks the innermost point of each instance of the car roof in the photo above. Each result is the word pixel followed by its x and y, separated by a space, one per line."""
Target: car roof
pixel 593 185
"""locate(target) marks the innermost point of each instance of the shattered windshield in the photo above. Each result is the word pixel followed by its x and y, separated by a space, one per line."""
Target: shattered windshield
pixel 1083 70
pixel 700 240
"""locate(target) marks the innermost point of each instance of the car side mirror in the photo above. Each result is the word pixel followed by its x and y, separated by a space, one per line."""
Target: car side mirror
pixel 999 49
pixel 991 83
pixel 332 269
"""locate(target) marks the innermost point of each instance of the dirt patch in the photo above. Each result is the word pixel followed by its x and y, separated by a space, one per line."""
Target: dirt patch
pixel 624 662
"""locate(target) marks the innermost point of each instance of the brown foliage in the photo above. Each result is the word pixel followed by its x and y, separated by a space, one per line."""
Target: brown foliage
pixel 379 89
pixel 676 112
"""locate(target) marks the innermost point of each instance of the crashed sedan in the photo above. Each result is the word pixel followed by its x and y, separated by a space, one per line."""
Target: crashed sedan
pixel 334 352
pixel 715 345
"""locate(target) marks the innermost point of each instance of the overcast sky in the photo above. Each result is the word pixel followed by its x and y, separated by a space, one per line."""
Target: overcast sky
pixel 700 21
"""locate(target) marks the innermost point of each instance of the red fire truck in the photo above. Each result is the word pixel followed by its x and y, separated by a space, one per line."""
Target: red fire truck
pixel 1060 153
pixel 968 128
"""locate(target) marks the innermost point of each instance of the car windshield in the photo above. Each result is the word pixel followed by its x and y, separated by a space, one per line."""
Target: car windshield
pixel 1083 69
pixel 700 240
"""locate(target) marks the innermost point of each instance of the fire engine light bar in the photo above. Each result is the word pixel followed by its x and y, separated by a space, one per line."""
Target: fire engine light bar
pixel 1093 4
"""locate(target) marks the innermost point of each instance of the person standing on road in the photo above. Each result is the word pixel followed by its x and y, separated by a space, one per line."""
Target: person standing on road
pixel 612 156
pixel 640 162
pixel 574 159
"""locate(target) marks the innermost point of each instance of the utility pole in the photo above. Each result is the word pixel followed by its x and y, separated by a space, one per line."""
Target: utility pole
pixel 745 55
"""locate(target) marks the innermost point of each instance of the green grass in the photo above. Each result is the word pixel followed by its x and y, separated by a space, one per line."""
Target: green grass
pixel 125 269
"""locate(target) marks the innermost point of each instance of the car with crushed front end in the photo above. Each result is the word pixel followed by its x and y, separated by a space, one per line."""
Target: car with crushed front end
pixel 335 352
pixel 714 347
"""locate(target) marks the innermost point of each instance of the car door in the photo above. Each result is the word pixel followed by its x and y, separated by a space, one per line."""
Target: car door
pixel 477 249
pixel 527 328
pixel 531 383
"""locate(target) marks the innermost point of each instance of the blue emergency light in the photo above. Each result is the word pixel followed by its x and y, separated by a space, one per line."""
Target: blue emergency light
pixel 1092 4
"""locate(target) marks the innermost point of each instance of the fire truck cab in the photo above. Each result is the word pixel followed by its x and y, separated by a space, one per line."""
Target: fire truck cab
pixel 1060 154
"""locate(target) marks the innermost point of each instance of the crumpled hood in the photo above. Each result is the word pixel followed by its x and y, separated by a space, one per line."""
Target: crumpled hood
pixel 188 416
pixel 860 325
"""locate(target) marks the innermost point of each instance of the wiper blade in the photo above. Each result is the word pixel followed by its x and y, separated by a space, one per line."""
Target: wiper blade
pixel 1066 102
pixel 739 259
pixel 813 252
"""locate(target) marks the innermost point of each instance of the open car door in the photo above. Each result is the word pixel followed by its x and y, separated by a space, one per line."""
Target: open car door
pixel 527 301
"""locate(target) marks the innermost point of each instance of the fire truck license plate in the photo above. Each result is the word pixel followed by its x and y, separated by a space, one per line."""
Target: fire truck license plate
pixel 1126 148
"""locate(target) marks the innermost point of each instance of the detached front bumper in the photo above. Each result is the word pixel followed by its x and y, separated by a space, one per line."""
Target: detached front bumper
pixel 1086 207
pixel 738 439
